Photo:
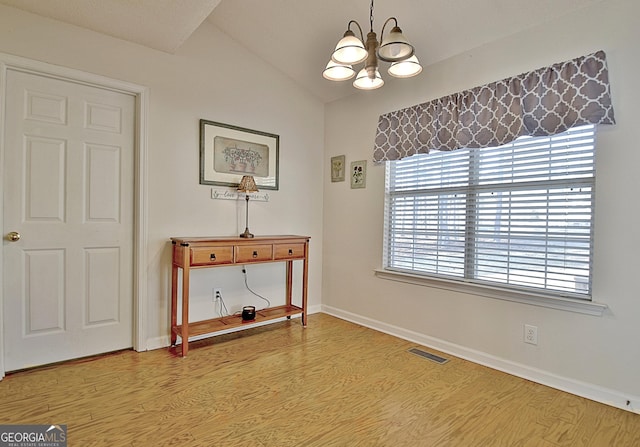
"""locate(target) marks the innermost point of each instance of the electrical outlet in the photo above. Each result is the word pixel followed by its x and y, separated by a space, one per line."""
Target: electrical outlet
pixel 217 294
pixel 531 334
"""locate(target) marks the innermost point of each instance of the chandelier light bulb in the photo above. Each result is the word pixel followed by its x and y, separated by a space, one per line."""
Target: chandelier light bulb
pixel 395 47
pixel 338 72
pixel 364 82
pixel 406 68
pixel 349 50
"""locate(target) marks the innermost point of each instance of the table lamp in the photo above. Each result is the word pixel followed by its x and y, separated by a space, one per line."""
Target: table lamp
pixel 247 185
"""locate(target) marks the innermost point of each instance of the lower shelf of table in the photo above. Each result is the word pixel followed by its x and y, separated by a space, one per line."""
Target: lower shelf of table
pixel 234 321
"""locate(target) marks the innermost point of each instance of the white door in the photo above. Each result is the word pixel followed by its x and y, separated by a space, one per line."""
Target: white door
pixel 68 192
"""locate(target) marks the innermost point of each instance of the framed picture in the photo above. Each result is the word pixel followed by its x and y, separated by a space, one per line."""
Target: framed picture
pixel 359 174
pixel 229 152
pixel 337 168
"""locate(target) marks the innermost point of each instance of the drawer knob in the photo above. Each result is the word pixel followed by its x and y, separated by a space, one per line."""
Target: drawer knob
pixel 212 257
pixel 290 251
pixel 255 254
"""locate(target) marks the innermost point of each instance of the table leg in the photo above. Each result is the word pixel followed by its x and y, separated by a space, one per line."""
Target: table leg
pixel 174 303
pixel 185 304
pixel 289 285
pixel 305 280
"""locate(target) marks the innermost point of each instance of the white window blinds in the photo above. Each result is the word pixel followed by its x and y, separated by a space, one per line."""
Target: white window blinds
pixel 518 215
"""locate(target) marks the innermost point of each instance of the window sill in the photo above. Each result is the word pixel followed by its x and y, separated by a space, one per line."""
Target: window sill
pixel 567 304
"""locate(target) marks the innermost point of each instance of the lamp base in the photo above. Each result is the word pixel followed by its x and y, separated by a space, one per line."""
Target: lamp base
pixel 246 233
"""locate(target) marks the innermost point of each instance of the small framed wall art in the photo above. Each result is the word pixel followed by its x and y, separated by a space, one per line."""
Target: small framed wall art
pixel 337 168
pixel 359 174
pixel 229 152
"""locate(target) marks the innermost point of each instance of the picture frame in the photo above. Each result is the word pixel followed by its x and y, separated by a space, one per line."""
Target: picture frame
pixel 358 174
pixel 338 168
pixel 228 152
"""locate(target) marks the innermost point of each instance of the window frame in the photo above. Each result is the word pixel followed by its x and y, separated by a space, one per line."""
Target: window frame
pixel 579 302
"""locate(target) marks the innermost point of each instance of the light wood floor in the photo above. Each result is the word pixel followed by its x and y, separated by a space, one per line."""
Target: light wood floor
pixel 331 384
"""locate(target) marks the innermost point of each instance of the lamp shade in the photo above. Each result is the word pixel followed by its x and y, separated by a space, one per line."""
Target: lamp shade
pixel 349 50
pixel 364 82
pixel 406 68
pixel 395 47
pixel 247 184
pixel 338 72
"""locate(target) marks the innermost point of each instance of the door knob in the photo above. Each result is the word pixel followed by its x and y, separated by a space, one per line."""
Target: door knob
pixel 13 236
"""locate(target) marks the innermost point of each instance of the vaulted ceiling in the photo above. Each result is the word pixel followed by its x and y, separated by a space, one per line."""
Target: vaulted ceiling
pixel 298 36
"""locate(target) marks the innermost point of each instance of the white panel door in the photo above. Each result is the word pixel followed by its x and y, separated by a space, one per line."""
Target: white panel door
pixel 68 193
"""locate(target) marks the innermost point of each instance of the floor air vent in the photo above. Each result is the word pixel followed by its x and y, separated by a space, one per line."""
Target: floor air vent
pixel 428 355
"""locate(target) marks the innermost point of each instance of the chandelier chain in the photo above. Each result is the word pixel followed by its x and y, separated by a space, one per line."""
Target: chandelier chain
pixel 371 16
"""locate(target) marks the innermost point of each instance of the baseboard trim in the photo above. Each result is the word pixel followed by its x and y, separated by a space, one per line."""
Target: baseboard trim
pixel 158 343
pixel 589 391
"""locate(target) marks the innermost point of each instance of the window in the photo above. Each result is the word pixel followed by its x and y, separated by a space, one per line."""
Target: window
pixel 516 216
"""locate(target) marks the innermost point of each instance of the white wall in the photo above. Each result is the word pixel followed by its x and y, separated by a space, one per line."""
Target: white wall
pixel 213 78
pixel 594 356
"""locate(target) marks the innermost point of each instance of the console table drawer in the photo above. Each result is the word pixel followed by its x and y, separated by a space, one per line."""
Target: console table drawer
pixel 211 255
pixel 288 251
pixel 253 253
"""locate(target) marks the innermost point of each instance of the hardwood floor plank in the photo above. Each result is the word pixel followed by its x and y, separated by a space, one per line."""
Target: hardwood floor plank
pixel 332 384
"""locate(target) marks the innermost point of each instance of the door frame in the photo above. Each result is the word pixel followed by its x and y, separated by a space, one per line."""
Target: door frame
pixel 140 230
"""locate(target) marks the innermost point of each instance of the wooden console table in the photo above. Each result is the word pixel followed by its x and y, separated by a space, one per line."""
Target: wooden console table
pixel 207 252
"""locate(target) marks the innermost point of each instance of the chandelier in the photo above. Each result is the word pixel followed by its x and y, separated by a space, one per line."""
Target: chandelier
pixel 350 50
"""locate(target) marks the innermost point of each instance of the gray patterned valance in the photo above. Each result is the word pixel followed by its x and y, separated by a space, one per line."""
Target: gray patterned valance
pixel 543 102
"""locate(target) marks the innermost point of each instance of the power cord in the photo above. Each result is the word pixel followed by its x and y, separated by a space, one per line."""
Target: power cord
pixel 222 305
pixel 244 271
